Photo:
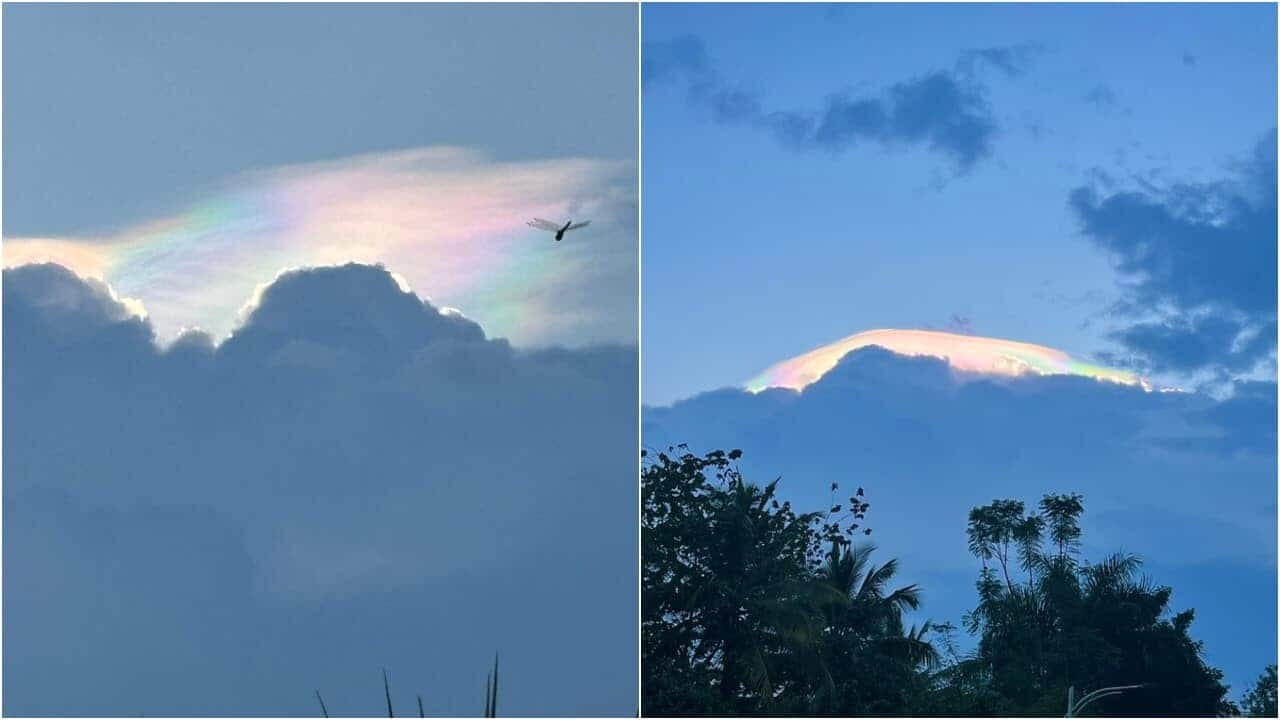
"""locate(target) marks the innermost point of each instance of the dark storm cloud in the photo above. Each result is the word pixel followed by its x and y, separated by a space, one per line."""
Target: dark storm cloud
pixel 352 480
pixel 1198 265
pixel 944 110
pixel 1182 479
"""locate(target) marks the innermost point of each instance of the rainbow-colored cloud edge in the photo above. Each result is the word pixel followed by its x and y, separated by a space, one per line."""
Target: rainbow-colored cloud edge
pixel 450 220
pixel 964 353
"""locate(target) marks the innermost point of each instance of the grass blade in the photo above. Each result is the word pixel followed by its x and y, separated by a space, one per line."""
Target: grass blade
pixel 493 705
pixel 386 688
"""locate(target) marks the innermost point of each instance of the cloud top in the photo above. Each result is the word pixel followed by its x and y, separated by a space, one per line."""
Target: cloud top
pixel 1184 479
pixel 968 354
pixel 353 479
pixel 447 218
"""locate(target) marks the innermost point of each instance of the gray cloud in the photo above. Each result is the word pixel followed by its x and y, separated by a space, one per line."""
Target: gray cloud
pixel 1102 97
pixel 352 480
pixel 945 110
pixel 959 323
pixel 1198 265
pixel 928 447
pixel 1013 60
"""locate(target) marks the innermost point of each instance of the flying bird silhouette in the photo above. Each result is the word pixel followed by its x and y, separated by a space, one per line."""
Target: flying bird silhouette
pixel 559 230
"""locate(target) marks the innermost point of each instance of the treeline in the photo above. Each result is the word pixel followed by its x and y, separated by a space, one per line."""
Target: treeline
pixel 752 607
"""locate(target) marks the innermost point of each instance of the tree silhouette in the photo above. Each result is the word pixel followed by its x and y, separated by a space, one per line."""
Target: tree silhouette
pixel 749 607
pixel 743 610
pixel 1069 623
pixel 1260 701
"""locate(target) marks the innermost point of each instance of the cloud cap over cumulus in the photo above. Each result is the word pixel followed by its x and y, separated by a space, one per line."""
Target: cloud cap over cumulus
pixel 352 480
pixel 1182 479
pixel 449 220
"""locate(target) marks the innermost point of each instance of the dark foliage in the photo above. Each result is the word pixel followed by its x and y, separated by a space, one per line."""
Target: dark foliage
pixel 1260 701
pixel 752 608
pixel 1060 622
pixel 749 607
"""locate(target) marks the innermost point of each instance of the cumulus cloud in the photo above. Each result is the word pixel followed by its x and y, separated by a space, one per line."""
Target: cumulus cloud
pixel 945 111
pixel 352 479
pixel 1183 479
pixel 73 307
pixel 1198 265
pixel 450 220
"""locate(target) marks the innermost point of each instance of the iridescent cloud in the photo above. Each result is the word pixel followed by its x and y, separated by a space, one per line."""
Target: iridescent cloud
pixel 449 221
pixel 964 353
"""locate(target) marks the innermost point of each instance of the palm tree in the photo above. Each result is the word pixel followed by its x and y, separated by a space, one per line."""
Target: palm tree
pixel 868 630
pixel 765 607
pixel 864 584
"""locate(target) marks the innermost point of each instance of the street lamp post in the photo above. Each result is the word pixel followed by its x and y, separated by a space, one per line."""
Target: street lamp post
pixel 1075 706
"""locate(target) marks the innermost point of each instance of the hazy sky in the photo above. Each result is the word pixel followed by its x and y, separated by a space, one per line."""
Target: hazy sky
pixel 188 153
pixel 115 114
pixel 955 210
pixel 335 474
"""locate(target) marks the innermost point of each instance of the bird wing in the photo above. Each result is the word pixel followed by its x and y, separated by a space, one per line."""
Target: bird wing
pixel 575 226
pixel 541 224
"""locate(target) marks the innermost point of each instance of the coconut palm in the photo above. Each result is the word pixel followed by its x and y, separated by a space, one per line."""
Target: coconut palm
pixel 867 645
pixel 766 607
pixel 730 601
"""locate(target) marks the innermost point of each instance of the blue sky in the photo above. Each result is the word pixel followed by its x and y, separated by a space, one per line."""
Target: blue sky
pixel 1100 179
pixel 809 245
